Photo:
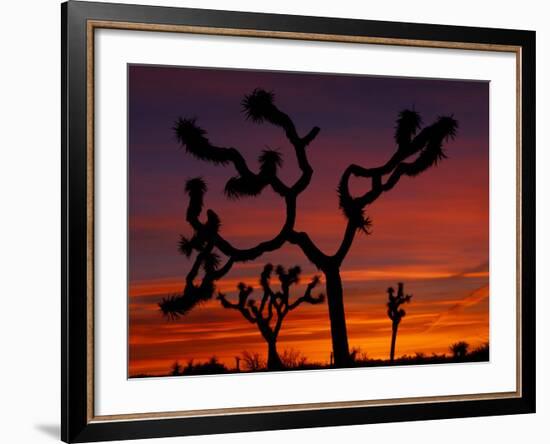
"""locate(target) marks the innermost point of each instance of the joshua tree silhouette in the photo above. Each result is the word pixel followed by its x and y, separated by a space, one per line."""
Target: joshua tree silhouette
pixel 395 313
pixel 417 150
pixel 273 307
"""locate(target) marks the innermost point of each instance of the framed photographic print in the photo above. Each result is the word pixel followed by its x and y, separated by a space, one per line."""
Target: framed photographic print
pixel 276 221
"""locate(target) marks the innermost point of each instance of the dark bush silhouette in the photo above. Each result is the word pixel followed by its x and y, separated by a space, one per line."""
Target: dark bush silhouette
pixel 210 367
pixel 293 359
pixel 417 150
pixel 358 355
pixel 480 353
pixel 459 350
pixel 395 313
pixel 269 312
pixel 253 361
pixel 177 369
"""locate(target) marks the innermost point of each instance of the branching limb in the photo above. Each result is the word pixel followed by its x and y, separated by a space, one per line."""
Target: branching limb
pixel 312 252
pixel 427 146
pixel 307 297
pixel 196 293
pixel 273 305
pixel 194 139
pixel 264 283
pixel 259 106
pixel 241 306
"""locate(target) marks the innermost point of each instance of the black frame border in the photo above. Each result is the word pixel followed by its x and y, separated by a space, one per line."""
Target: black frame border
pixel 75 424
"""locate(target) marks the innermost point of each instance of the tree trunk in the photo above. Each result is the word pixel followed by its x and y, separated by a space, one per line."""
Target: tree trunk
pixel 273 360
pixel 393 338
pixel 338 330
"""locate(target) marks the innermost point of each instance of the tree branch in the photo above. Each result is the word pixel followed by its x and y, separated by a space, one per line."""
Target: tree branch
pixel 312 252
pixel 241 306
pixel 307 297
pixel 347 242
pixel 194 139
pixel 264 282
pixel 427 145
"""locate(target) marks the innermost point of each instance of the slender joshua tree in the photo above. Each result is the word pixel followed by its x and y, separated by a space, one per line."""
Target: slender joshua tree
pixel 395 313
pixel 268 315
pixel 416 151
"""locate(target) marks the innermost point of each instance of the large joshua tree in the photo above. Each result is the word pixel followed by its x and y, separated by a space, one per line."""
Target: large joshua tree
pixel 396 313
pixel 269 312
pixel 417 149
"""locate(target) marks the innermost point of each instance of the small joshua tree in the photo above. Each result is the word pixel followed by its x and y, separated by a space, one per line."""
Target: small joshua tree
pixel 269 312
pixel 417 150
pixel 395 313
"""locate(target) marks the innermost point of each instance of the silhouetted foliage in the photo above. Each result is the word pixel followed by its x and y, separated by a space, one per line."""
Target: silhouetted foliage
pixel 293 359
pixel 176 369
pixel 417 150
pixel 253 361
pixel 206 260
pixel 459 349
pixel 358 355
pixel 210 367
pixel 480 353
pixel 396 313
pixel 269 312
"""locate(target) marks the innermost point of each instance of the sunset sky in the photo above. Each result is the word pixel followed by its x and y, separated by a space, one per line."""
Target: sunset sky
pixel 430 232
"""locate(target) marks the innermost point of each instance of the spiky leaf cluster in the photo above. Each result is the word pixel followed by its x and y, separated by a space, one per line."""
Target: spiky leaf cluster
pixel 211 262
pixel 290 276
pixel 258 105
pixel 408 123
pixel 442 130
pixel 239 186
pixel 178 305
pixel 187 245
pixel 194 139
pixel 354 212
pixel 270 160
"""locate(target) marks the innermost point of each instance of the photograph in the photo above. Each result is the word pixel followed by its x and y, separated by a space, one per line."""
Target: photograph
pixel 292 221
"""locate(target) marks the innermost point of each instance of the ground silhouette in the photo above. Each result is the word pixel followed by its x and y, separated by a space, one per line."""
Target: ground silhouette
pixel 294 360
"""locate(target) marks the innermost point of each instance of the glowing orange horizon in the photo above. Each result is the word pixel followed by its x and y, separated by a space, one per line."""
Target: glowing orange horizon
pixel 430 326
